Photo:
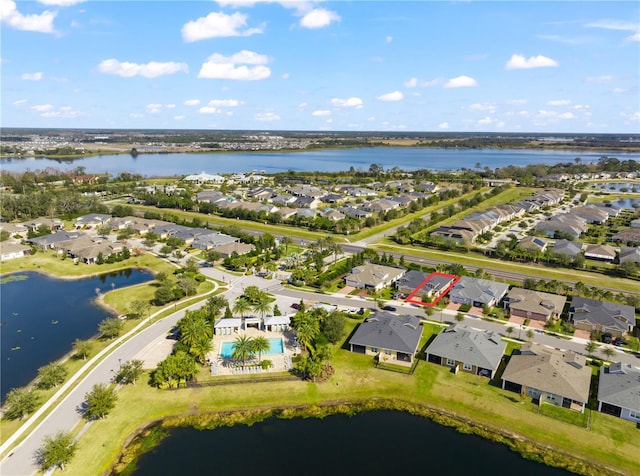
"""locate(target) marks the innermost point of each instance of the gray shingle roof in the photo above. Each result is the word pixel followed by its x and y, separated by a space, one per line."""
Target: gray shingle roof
pixel 606 314
pixel 620 385
pixel 479 290
pixel 483 349
pixel 387 331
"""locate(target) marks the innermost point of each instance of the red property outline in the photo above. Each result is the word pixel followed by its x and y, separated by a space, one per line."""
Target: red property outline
pixel 425 281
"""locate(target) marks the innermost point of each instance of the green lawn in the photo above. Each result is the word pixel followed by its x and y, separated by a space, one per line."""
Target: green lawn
pixel 613 442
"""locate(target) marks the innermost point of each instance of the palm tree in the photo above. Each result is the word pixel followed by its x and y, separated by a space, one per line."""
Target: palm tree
pixel 307 328
pixel 260 344
pixel 241 306
pixel 262 305
pixel 286 241
pixel 200 348
pixel 214 305
pixel 243 349
pixel 193 329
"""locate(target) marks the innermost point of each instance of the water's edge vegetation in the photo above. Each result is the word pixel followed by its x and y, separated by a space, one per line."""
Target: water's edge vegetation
pixel 152 434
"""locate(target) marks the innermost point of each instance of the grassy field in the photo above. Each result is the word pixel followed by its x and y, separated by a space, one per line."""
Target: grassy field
pixel 610 441
pixel 536 270
pixel 50 263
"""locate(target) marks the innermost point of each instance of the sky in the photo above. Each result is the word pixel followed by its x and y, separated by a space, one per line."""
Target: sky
pixel 457 66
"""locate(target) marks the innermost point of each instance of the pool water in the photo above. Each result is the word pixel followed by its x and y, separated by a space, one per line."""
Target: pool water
pixel 276 346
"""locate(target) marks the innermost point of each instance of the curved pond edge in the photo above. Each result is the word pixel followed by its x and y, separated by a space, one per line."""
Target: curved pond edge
pixel 151 434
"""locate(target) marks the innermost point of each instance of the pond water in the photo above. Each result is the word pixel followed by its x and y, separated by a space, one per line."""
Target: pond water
pixel 42 316
pixel 622 203
pixel 618 186
pixel 372 443
pixel 405 158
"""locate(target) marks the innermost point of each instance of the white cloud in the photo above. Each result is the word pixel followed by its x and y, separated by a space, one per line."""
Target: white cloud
pixel 216 25
pixel 600 79
pixel 566 115
pixel 461 82
pixel 635 116
pixel 218 66
pixel 485 121
pixel 302 105
pixel 152 69
pixel 392 96
pixel 209 110
pixel 487 106
pixel 422 83
pixel 559 102
pixel 32 76
pixel 610 24
pixel 388 39
pixel 64 112
pixel 318 18
pixel 192 102
pixel 581 107
pixel 618 90
pixel 322 112
pixel 42 23
pixel 136 115
pixel 179 117
pixel 224 103
pixel 170 106
pixel 266 116
pixel 61 3
pixel 42 107
pixel 350 102
pixel 517 102
pixel 19 101
pixel 153 108
pixel 285 76
pixel 443 125
pixel 634 37
pixel 520 62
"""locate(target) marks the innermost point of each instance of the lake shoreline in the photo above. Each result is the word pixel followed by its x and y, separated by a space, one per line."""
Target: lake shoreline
pixel 137 443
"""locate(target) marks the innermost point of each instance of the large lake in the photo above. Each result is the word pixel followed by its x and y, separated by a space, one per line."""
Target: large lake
pixel 373 443
pixel 42 316
pixel 406 158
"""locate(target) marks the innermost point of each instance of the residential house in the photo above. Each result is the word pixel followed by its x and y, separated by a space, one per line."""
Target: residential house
pixel 602 316
pixel 354 212
pixel 14 229
pixel 210 196
pixel 600 252
pixel 533 243
pixel 54 224
pixel 467 350
pixel 630 254
pixel 628 236
pixel 49 241
pixel 548 375
pixel 426 187
pixel 13 250
pixel 535 305
pixel 212 240
pixel 373 276
pixel 236 247
pixel 203 177
pixel 92 220
pixel 566 247
pixel 591 214
pixel 635 223
pixel 388 337
pixel 478 292
pixel 333 215
pixel 619 391
pixel 434 284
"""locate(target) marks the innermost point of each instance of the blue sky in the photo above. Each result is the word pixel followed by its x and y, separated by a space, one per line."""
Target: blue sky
pixel 498 66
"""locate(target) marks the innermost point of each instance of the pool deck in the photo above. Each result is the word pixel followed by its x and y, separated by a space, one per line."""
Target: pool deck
pixel 226 366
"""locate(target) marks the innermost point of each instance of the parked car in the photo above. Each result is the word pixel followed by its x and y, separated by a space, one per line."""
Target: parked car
pixel 389 308
pixel 618 342
pixel 607 338
pixel 295 305
pixel 361 311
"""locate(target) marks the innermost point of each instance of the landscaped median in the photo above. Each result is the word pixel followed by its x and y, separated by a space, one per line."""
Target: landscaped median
pixel 469 402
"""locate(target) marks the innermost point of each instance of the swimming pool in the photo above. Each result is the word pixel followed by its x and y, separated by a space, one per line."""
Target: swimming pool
pixel 276 346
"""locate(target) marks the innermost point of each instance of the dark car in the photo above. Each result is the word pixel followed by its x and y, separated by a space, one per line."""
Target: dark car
pixel 174 336
pixel 389 308
pixel 607 338
pixel 295 305
pixel 618 342
pixel 361 311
